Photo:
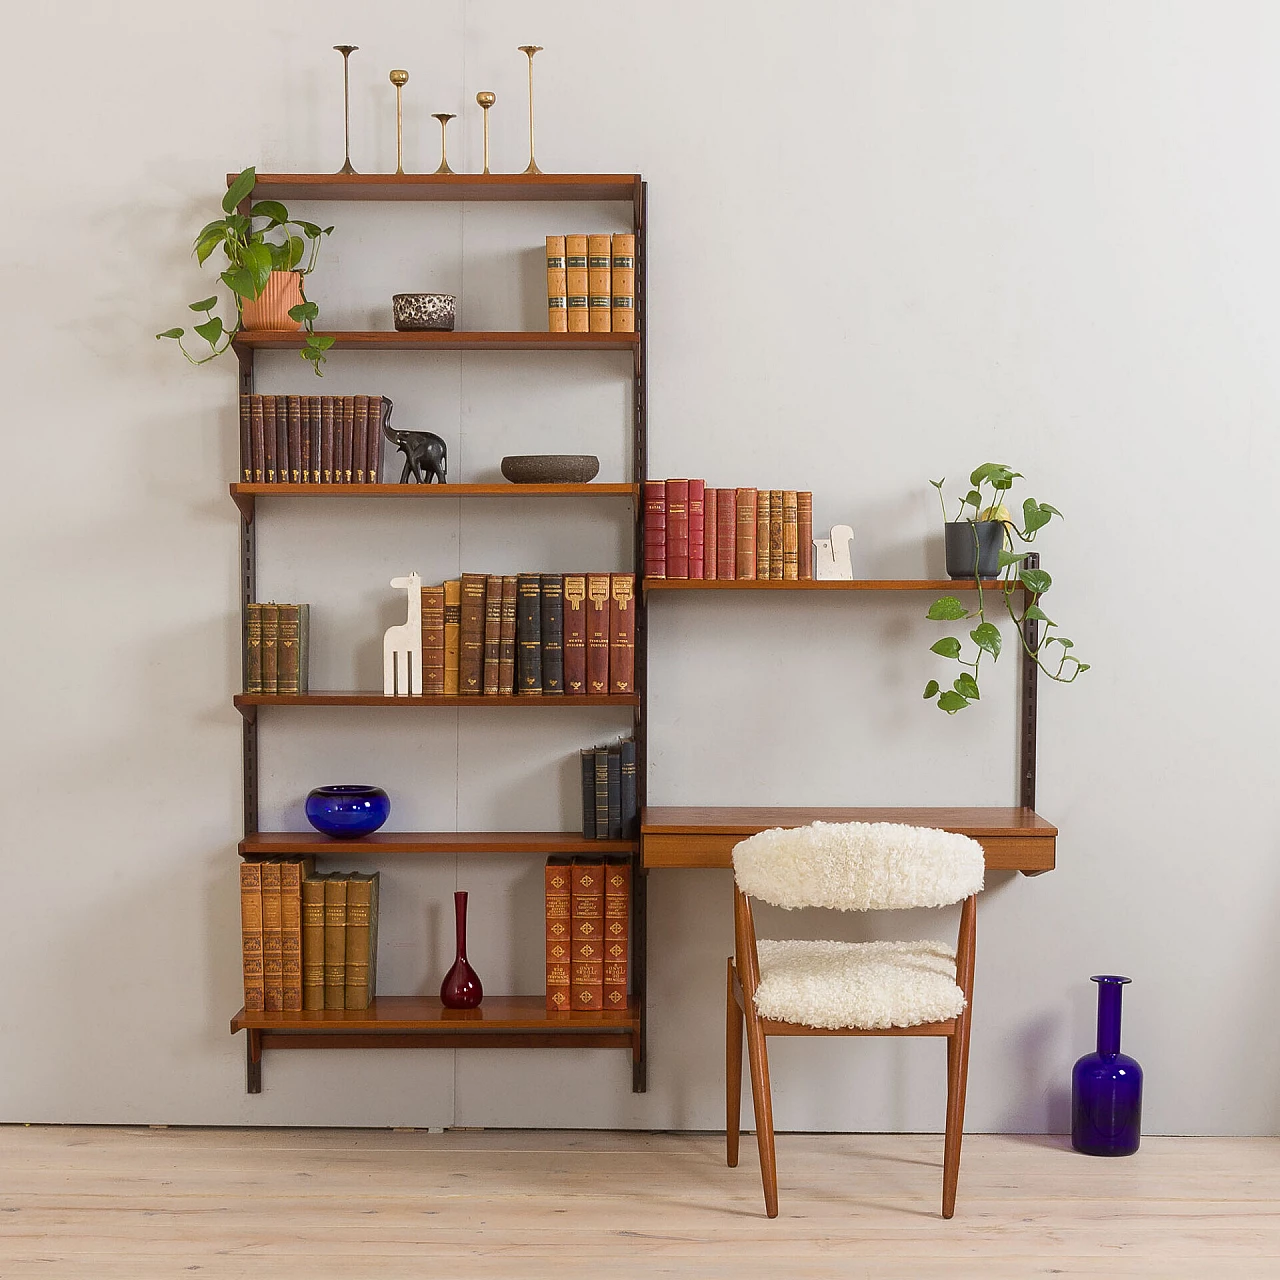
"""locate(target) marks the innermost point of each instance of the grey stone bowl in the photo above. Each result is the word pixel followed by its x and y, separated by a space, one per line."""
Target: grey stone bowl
pixel 423 310
pixel 551 468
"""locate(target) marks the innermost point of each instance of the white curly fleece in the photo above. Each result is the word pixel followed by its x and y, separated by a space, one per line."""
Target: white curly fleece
pixel 872 985
pixel 858 866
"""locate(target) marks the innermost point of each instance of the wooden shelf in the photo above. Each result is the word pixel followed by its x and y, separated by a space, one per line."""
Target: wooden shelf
pixel 857 584
pixel 275 844
pixel 244 701
pixel 456 186
pixel 431 340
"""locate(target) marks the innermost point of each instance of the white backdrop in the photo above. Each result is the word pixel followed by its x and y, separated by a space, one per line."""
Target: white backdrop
pixel 887 242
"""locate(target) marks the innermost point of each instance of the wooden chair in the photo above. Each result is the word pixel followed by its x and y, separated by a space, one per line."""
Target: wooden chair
pixel 799 988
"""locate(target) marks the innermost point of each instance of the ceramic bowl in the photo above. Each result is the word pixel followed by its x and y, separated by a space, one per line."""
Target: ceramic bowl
pixel 551 468
pixel 347 810
pixel 423 310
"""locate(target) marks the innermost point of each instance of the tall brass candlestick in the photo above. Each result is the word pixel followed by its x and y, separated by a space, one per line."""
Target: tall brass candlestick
pixel 486 100
pixel 346 50
pixel 444 117
pixel 530 50
pixel 399 79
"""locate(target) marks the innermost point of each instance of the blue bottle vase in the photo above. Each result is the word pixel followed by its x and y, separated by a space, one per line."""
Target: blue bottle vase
pixel 1106 1086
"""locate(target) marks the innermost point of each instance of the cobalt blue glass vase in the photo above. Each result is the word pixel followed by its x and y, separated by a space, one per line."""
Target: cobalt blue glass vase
pixel 1106 1086
pixel 347 811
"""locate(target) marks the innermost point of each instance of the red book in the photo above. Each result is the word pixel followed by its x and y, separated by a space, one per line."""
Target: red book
pixel 677 528
pixel 697 526
pixel 655 529
pixel 727 534
pixel 710 533
pixel 575 634
pixel 598 633
pixel 622 632
pixel 746 546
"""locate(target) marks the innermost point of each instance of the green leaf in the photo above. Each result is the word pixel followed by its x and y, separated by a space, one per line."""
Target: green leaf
pixel 947 647
pixel 986 636
pixel 1062 640
pixel 304 311
pixel 951 702
pixel 1053 511
pixel 257 261
pixel 320 341
pixel 328 231
pixel 171 333
pixel 297 247
pixel 240 282
pixel 972 499
pixel 308 229
pixel 1082 666
pixel 1035 580
pixel 272 209
pixel 1007 558
pixel 211 330
pixel 239 189
pixel 207 304
pixel 1034 516
pixel 948 609
pixel 205 245
pixel 967 687
pixel 1035 613
pixel 931 689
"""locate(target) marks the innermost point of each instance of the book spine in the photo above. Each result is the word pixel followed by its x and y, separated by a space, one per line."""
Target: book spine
pixel 553 633
pixel 359 436
pixel 586 905
pixel 622 632
pixel 304 431
pixel 762 533
pixel 624 283
pixel 727 534
pixel 258 443
pixel 292 871
pixel 588 759
pixel 630 809
pixel 775 534
pixel 575 634
pixel 711 533
pixel 575 272
pixel 600 791
pixel 492 633
pixel 361 941
pixel 790 538
pixel 313 942
pixel 452 635
pixel 433 640
pixel 655 529
pixel 378 407
pixel 471 654
pixel 281 409
pixel 348 436
pixel 559 925
pixel 269 437
pixel 253 648
pixel 613 760
pixel 617 932
pixel 598 612
pixel 326 439
pixel 335 942
pixel 270 646
pixel 557 305
pixel 293 419
pixel 599 288
pixel 529 634
pixel 272 938
pixel 251 936
pixel 697 526
pixel 507 638
pixel 677 528
pixel 304 648
pixel 287 655
pixel 746 541
pixel 316 428
pixel 246 438
pixel 804 535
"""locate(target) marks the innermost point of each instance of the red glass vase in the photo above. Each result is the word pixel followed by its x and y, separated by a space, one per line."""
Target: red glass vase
pixel 461 987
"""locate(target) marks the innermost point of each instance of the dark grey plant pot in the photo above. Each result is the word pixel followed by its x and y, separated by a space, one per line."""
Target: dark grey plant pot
pixel 962 549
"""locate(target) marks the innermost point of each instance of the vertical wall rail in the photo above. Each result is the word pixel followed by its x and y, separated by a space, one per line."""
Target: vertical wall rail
pixel 1030 696
pixel 248 590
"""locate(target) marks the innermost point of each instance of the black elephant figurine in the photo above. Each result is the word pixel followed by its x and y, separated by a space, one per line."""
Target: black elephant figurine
pixel 424 451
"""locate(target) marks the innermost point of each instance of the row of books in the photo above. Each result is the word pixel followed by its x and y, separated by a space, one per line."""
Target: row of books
pixel 609 810
pixel 591 283
pixel 311 439
pixel 691 531
pixel 277 648
pixel 533 634
pixel 308 941
pixel 588 932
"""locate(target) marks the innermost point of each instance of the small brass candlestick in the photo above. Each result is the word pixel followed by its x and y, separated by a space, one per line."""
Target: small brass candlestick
pixel 399 79
pixel 486 100
pixel 444 117
pixel 530 50
pixel 346 50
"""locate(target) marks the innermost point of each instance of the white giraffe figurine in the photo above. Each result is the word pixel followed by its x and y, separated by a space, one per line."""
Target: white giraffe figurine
pixel 832 557
pixel 402 646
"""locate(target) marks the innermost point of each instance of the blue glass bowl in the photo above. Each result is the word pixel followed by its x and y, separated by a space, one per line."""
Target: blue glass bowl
pixel 347 811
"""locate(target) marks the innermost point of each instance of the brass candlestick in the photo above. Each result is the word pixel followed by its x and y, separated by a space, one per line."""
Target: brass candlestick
pixel 486 100
pixel 444 117
pixel 530 50
pixel 399 79
pixel 346 50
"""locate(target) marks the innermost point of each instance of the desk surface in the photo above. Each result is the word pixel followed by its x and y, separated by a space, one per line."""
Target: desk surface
pixel 703 836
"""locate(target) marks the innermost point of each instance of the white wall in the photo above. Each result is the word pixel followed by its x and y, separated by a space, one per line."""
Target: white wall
pixel 888 242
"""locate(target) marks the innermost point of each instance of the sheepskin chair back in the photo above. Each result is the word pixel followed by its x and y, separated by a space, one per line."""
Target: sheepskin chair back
pixel 858 866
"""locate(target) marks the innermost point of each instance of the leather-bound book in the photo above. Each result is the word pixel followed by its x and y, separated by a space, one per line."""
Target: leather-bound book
pixel 360 974
pixel 304 448
pixel 313 428
pixel 492 633
pixel 575 634
pixel 257 438
pixel 304 648
pixel 272 937
pixel 557 305
pixel 507 639
pixel 804 535
pixel 726 534
pixel 288 666
pixel 600 790
pixel 575 272
pixel 617 931
pixel 359 437
pixel 558 897
pixel 677 528
pixel 335 942
pixel 711 533
pixel 379 406
pixel 327 439
pixel 764 500
pixel 251 936
pixel 282 438
pixel 598 612
pixel 655 528
pixel 790 539
pixel 313 942
pixel 588 758
pixel 599 289
pixel 292 872
pixel 293 410
pixel 269 438
pixel 553 633
pixel 613 759
pixel 586 977
pixel 246 438
pixel 348 437
pixel 253 648
pixel 270 646
pixel 746 540
pixel 529 635
pixel 433 640
pixel 697 526
pixel 624 283
pixel 452 634
pixel 622 632
pixel 471 638
pixel 630 811
pixel 775 534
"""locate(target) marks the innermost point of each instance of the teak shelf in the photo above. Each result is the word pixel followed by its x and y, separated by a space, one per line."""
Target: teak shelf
pixel 454 340
pixel 516 187
pixel 854 584
pixel 276 844
pixel 371 698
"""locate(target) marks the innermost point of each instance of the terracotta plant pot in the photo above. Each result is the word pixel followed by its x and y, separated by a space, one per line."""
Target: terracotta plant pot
pixel 271 310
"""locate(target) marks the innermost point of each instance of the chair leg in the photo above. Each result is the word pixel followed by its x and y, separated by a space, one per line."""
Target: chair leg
pixel 957 1081
pixel 758 1055
pixel 733 1073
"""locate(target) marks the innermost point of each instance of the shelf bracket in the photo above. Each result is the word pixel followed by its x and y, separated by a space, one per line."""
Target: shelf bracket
pixel 253 1062
pixel 245 501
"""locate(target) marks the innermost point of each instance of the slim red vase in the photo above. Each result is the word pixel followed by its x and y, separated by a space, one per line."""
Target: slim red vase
pixel 461 987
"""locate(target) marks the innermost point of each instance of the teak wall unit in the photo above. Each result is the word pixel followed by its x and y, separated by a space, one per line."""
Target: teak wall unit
pixel 413 1022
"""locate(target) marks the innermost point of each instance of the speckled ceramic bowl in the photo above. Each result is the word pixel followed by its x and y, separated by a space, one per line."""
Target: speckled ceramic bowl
pixel 423 310
pixel 551 468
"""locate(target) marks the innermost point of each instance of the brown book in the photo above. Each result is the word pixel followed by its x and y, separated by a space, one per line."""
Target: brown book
pixel 361 970
pixel 253 648
pixel 293 409
pixel 624 283
pixel 452 634
pixel 599 289
pixel 272 937
pixel 288 628
pixel 557 305
pixel 251 936
pixel 746 540
pixel 471 636
pixel 316 421
pixel 335 942
pixel 347 437
pixel 677 528
pixel 763 500
pixel 804 535
pixel 790 541
pixel 359 436
pixel 327 440
pixel 270 646
pixel 598 633
pixel 373 459
pixel 775 534
pixel 586 906
pixel 622 632
pixel 507 637
pixel 575 634
pixel 558 893
pixel 257 440
pixel 492 634
pixel 313 942
pixel 711 533
pixel 304 452
pixel 246 438
pixel 617 931
pixel 292 872
pixel 433 640
pixel 726 534
pixel 270 441
pixel 575 272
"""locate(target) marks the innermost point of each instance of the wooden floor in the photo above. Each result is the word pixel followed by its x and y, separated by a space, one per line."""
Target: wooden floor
pixel 133 1204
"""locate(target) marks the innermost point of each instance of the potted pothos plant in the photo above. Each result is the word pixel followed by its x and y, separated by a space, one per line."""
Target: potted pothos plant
pixel 264 251
pixel 992 526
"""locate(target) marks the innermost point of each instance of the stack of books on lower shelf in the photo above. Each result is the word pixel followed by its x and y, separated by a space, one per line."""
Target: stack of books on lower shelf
pixel 277 648
pixel 588 933
pixel 609 810
pixel 311 439
pixel 691 531
pixel 591 283
pixel 308 941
